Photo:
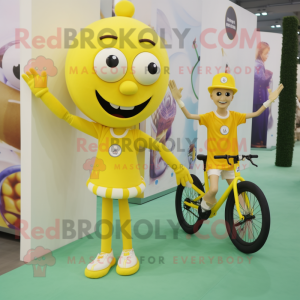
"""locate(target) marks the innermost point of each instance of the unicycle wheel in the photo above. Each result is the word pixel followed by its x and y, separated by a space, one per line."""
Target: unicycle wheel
pixel 248 235
pixel 187 216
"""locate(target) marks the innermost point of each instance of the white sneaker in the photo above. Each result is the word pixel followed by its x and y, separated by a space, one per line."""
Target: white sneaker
pixel 205 206
pixel 128 263
pixel 100 266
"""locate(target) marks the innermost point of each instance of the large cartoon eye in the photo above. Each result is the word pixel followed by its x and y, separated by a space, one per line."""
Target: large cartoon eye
pixel 219 93
pixel 227 94
pixel 11 66
pixel 110 64
pixel 146 68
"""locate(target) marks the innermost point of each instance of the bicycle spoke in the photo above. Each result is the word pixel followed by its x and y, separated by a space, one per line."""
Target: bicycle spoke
pixel 250 229
pixel 255 228
pixel 190 215
pixel 257 220
pixel 253 233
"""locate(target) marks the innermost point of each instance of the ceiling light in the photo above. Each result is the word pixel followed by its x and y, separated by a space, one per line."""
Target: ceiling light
pixel 258 14
pixel 264 13
pixel 278 26
pixel 273 26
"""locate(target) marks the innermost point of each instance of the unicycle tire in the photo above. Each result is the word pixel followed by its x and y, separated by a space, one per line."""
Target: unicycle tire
pixel 249 235
pixel 187 216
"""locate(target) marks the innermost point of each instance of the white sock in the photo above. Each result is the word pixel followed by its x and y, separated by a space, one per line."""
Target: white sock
pixel 204 206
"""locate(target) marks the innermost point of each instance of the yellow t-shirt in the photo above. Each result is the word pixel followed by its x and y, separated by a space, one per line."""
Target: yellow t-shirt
pixel 118 156
pixel 116 172
pixel 221 137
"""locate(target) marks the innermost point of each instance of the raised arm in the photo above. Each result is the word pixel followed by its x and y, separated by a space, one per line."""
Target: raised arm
pixel 176 93
pixel 272 97
pixel 38 86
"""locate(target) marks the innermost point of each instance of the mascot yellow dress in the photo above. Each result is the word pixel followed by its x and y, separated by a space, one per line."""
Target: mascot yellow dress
pixel 126 81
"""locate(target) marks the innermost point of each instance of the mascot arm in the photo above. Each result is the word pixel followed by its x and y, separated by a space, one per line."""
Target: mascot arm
pixel 182 173
pixel 38 85
pixel 61 112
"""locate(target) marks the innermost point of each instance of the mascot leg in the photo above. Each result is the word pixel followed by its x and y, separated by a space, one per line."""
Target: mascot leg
pixel 107 225
pixel 100 266
pixel 128 263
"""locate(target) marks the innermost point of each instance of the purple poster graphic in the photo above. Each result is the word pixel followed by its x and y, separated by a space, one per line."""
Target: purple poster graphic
pixel 262 83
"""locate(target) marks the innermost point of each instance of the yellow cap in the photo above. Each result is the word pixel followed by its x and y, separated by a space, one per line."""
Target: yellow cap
pixel 223 81
pixel 124 8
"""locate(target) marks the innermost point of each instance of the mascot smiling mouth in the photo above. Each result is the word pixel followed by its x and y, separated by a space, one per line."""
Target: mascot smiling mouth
pixel 121 111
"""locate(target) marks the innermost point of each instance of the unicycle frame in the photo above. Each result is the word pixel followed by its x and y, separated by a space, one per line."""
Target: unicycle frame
pixel 232 186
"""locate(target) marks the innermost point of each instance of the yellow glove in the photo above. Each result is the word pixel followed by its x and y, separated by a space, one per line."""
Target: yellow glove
pixel 37 83
pixel 183 176
pixel 38 86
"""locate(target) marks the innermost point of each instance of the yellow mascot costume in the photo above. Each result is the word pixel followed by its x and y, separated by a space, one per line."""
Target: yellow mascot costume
pixel 125 82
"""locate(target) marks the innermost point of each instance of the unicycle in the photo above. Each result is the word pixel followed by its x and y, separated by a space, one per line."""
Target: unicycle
pixel 247 214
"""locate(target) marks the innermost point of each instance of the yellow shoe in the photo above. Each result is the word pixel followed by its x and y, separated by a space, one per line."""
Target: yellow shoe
pixel 100 266
pixel 128 263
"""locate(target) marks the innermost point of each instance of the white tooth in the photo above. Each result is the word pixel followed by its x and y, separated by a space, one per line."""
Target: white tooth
pixel 114 106
pixel 126 107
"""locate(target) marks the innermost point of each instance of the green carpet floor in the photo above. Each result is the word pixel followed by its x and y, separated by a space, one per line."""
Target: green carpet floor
pixel 272 273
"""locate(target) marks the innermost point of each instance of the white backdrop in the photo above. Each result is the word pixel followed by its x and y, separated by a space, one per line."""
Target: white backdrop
pixel 239 58
pixel 175 17
pixel 53 177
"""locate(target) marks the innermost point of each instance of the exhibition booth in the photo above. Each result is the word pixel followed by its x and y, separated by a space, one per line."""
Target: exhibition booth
pixel 45 198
